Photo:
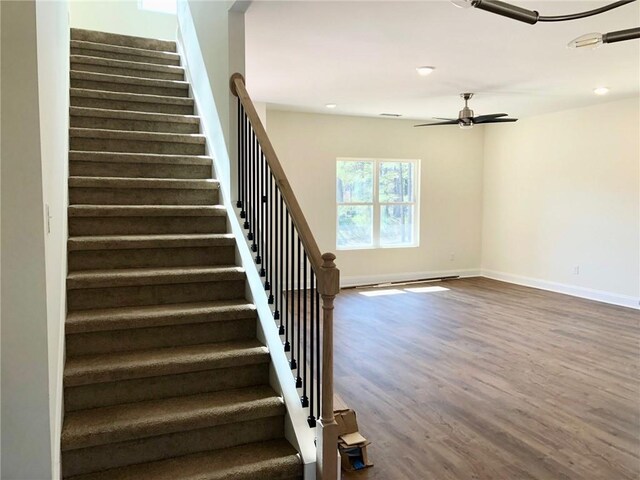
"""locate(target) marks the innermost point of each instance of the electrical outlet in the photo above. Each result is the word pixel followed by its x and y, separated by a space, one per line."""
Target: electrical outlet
pixel 576 270
pixel 452 257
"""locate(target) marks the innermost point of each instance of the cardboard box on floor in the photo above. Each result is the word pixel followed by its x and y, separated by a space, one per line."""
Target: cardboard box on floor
pixel 351 444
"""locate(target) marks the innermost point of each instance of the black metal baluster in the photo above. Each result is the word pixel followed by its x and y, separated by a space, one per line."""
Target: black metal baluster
pixel 247 180
pixel 311 419
pixel 304 320
pixel 279 286
pixel 239 171
pixel 285 286
pixel 263 209
pixel 292 296
pixel 268 261
pixel 299 314
pixel 254 194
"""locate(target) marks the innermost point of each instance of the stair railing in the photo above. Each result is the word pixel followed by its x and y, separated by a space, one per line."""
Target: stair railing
pixel 296 275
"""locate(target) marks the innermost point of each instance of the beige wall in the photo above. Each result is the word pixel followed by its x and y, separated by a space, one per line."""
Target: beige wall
pixel 562 191
pixel 121 16
pixel 450 197
pixel 26 437
pixel 53 89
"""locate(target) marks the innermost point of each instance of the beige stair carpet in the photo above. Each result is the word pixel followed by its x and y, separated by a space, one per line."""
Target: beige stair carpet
pixel 164 376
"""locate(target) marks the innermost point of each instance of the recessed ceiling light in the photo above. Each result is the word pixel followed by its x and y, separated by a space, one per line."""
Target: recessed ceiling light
pixel 424 71
pixel 601 90
pixel 331 105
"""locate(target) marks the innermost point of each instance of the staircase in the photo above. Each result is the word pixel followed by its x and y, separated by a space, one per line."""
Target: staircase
pixel 164 375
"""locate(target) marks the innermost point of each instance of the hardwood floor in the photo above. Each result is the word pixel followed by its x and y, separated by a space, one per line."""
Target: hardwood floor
pixel 491 381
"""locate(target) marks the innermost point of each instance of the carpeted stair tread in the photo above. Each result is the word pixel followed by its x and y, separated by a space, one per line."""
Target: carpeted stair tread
pixel 118 242
pixel 147 211
pixel 83 321
pixel 134 51
pixel 270 460
pixel 152 276
pixel 117 423
pixel 122 157
pixel 130 97
pixel 125 80
pixel 123 40
pixel 77 132
pixel 126 182
pixel 133 115
pixel 124 64
pixel 111 367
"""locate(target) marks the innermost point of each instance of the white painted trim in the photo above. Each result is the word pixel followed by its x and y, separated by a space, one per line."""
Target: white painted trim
pixel 355 281
pixel 297 430
pixel 573 290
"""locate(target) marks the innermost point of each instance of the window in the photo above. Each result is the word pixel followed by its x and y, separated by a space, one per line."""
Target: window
pixel 162 6
pixel 377 203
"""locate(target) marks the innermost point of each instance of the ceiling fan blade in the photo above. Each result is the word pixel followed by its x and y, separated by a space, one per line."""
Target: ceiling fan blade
pixel 482 118
pixel 499 120
pixel 449 122
pixel 450 119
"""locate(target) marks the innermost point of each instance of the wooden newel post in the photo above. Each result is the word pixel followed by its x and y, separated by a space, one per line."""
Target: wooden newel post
pixel 327 428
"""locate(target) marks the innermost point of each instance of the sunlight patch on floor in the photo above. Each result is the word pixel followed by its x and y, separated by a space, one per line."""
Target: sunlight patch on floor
pixel 426 289
pixel 378 293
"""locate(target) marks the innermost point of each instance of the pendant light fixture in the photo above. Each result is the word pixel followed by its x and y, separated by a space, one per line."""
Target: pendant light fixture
pixel 532 17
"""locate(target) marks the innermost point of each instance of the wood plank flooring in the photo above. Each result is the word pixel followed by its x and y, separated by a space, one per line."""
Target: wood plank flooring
pixel 491 381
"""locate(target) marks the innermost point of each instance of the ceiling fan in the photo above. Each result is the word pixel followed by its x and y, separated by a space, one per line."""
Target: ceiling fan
pixel 467 120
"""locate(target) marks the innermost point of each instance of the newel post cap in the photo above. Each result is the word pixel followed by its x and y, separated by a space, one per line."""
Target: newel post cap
pixel 232 82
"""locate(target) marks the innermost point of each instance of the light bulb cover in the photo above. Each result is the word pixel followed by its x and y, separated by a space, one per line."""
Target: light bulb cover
pixel 587 41
pixel 462 3
pixel 424 71
pixel 601 90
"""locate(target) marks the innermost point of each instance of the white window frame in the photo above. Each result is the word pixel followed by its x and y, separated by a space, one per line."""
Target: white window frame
pixel 156 10
pixel 375 234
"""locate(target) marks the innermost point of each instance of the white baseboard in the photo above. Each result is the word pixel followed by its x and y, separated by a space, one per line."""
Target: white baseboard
pixel 355 281
pixel 573 290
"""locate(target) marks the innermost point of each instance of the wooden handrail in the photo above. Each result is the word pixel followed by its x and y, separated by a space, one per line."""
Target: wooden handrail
pixel 325 285
pixel 328 285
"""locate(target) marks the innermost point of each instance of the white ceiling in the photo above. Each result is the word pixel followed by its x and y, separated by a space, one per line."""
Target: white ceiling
pixel 362 56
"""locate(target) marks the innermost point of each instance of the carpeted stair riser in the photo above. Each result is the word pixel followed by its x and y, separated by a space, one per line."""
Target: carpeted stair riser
pixel 82 299
pixel 133 125
pixel 127 69
pixel 165 386
pixel 129 121
pixel 132 106
pixel 144 338
pixel 129 57
pixel 270 460
pixel 141 196
pixel 145 420
pixel 128 88
pixel 158 316
pixel 135 146
pixel 76 462
pixel 146 225
pixel 117 52
pixel 151 257
pixel 123 71
pixel 130 102
pixel 156 362
pixel 139 170
pixel 123 40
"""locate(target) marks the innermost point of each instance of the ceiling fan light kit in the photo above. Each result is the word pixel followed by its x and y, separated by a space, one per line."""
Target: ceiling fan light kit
pixel 532 17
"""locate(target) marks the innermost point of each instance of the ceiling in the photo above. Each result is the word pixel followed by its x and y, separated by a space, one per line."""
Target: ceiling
pixel 362 56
